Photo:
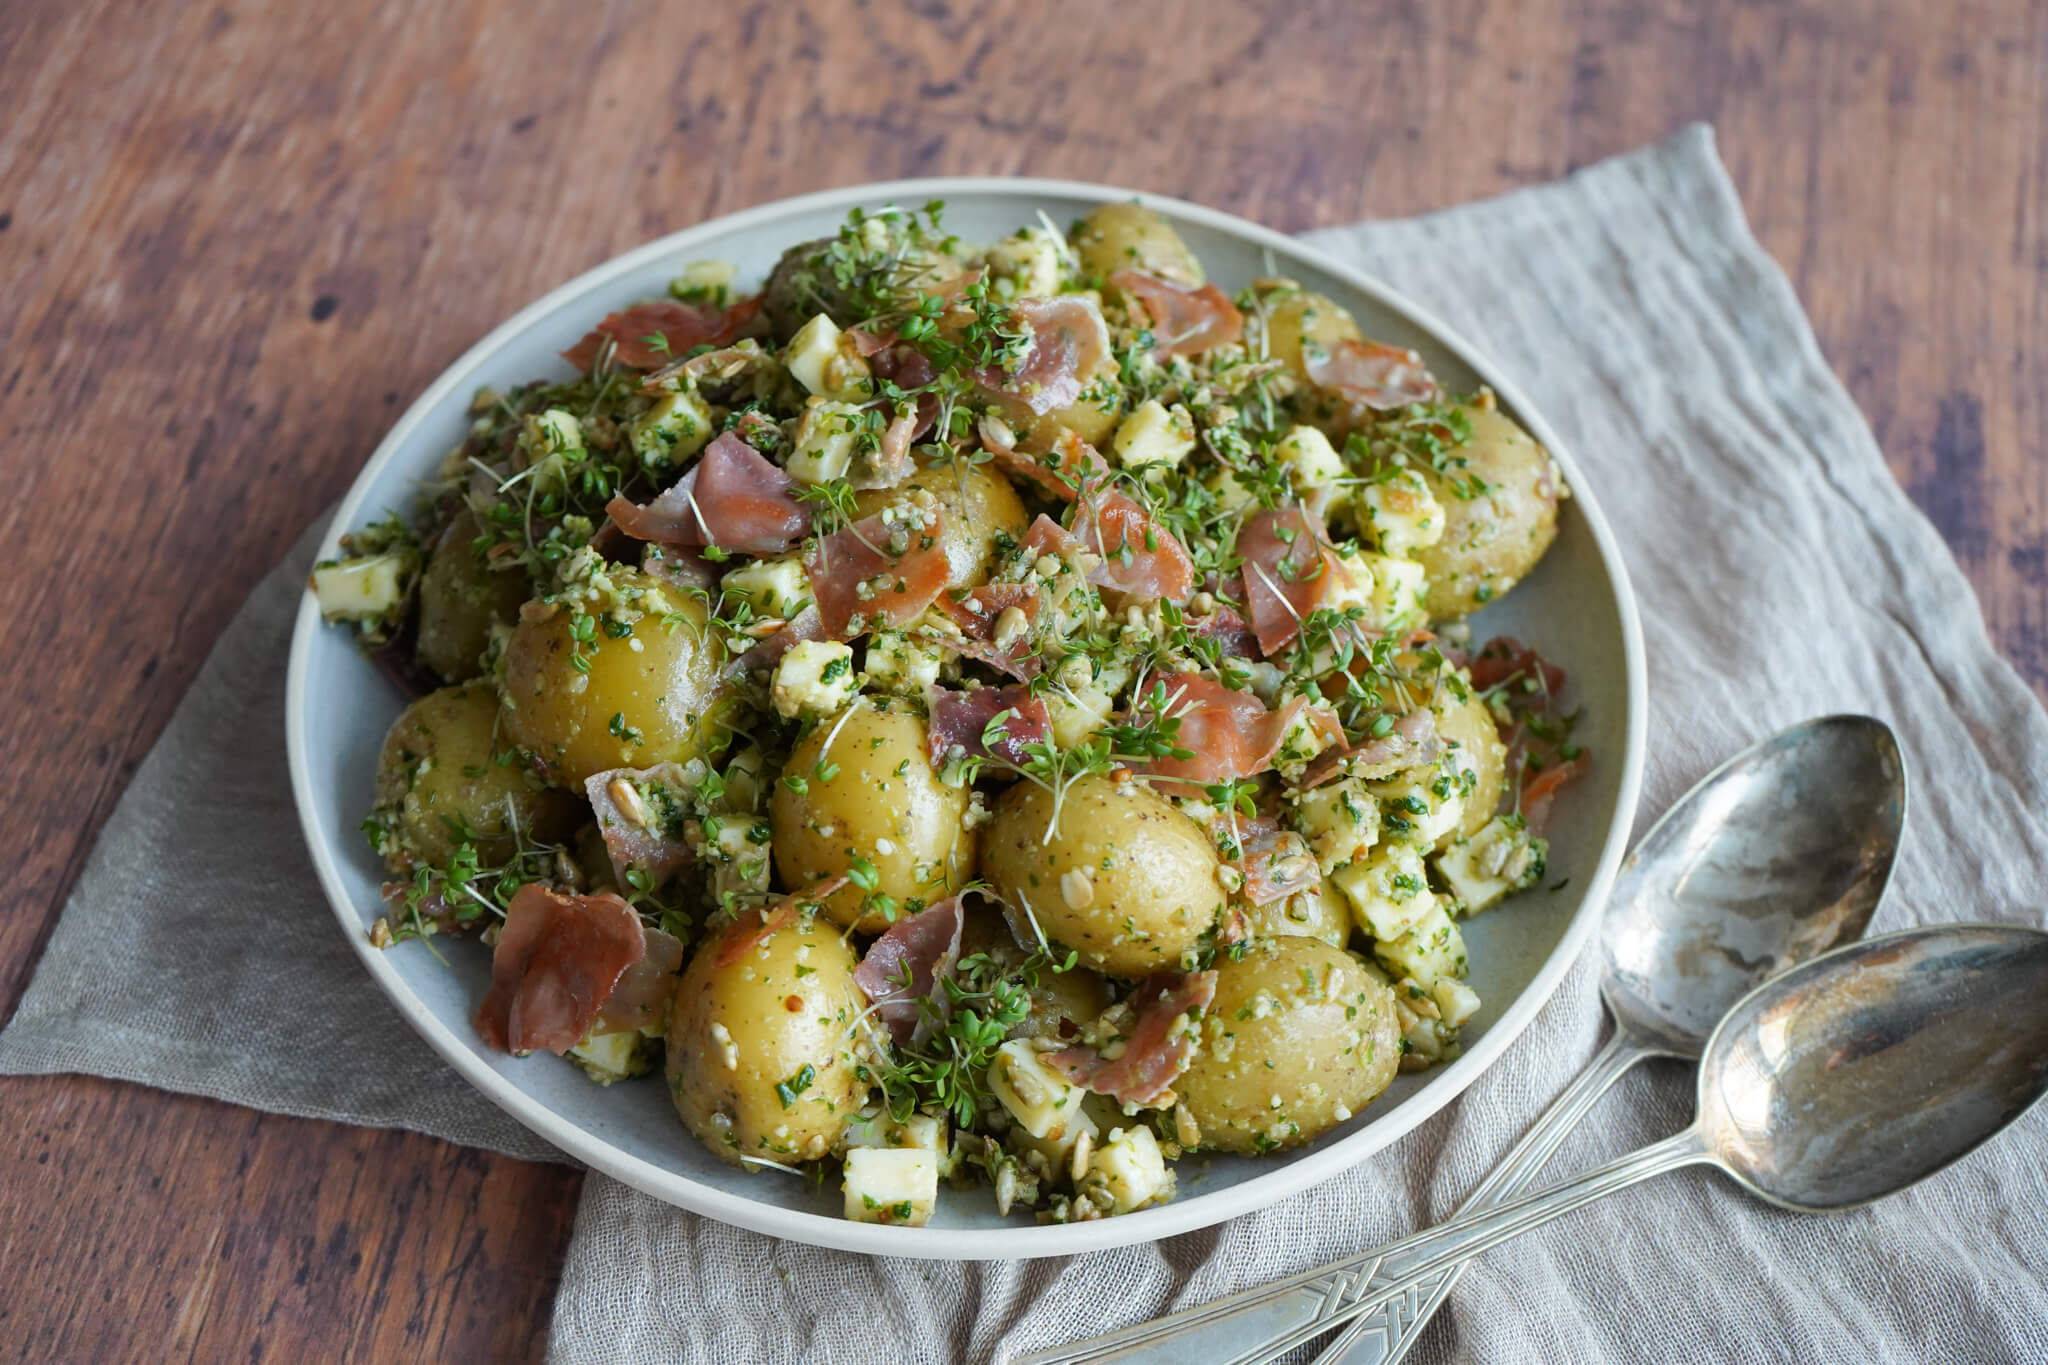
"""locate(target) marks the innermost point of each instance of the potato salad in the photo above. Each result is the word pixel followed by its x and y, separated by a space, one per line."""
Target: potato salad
pixel 992 716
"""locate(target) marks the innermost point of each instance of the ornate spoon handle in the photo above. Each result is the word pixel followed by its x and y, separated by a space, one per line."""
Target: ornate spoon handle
pixel 1384 1335
pixel 1260 1323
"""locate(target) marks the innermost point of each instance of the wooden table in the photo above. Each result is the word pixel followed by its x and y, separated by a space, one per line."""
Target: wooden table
pixel 235 242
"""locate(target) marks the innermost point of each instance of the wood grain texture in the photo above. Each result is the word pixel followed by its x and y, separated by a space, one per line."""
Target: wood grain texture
pixel 235 240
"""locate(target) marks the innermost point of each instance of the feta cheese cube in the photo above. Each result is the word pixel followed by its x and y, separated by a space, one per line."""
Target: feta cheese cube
pixel 820 359
pixel 815 678
pixel 1311 461
pixel 1130 1169
pixel 1499 860
pixel 1398 589
pixel 367 588
pixel 1420 805
pixel 1432 951
pixel 1455 1001
pixel 823 448
pixel 897 1185
pixel 1233 494
pixel 1154 434
pixel 1029 260
pixel 1389 890
pixel 610 1057
pixel 1039 1098
pixel 1340 820
pixel 675 428
pixel 772 587
pixel 899 664
pixel 1403 514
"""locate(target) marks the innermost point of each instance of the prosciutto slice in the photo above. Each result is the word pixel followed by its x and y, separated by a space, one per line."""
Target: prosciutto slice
pixel 1231 734
pixel 641 997
pixel 876 573
pixel 960 721
pixel 1287 572
pixel 1370 374
pixel 1061 471
pixel 732 498
pixel 1276 863
pixel 1069 340
pixel 805 625
pixel 1231 632
pixel 1411 740
pixel 558 959
pixel 640 813
pixel 906 964
pixel 1184 321
pixel 979 611
pixel 681 325
pixel 1166 1010
pixel 1140 557
pixel 1504 658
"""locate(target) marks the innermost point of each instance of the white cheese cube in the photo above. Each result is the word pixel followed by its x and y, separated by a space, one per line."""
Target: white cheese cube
pixel 1420 806
pixel 772 587
pixel 899 664
pixel 820 359
pixel 921 1132
pixel 1430 952
pixel 815 678
pixel 739 853
pixel 1039 1098
pixel 1131 1169
pixel 362 589
pixel 1304 739
pixel 1455 1001
pixel 1389 891
pixel 1340 820
pixel 1154 434
pixel 824 442
pixel 1501 859
pixel 610 1057
pixel 1232 493
pixel 1403 514
pixel 1398 589
pixel 706 280
pixel 674 429
pixel 1030 261
pixel 1351 582
pixel 897 1185
pixel 553 432
pixel 1311 461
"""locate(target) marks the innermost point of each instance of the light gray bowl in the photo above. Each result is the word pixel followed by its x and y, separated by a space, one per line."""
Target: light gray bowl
pixel 1577 606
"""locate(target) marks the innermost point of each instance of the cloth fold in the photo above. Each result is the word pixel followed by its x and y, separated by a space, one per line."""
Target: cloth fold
pixel 1781 573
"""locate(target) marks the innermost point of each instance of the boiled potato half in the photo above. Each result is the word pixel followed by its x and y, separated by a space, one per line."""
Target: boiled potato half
pixel 860 786
pixel 1301 1036
pixel 762 1053
pixel 1124 878
pixel 1297 319
pixel 460 600
pixel 1128 236
pixel 1480 752
pixel 443 778
pixel 1499 493
pixel 654 696
pixel 979 505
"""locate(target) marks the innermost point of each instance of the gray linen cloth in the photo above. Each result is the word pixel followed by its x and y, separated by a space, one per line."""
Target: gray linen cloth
pixel 1781 574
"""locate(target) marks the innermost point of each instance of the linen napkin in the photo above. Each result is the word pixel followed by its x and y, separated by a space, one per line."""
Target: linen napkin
pixel 1781 574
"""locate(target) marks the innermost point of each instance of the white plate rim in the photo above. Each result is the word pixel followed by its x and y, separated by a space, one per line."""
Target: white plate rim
pixel 1023 1241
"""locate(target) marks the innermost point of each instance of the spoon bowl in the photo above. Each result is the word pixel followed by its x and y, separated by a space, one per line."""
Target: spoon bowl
pixel 1778 854
pixel 1865 1071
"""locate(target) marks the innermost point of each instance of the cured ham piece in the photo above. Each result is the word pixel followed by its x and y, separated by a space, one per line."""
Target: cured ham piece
pixel 1231 632
pixel 1229 735
pixel 1069 341
pixel 882 571
pixel 1276 863
pixel 641 997
pixel 1061 471
pixel 753 927
pixel 1184 321
pixel 1412 739
pixel 960 724
pixel 805 625
pixel 732 498
pixel 1370 374
pixel 1165 1011
pixel 558 959
pixel 680 325
pixel 640 813
pixel 905 966
pixel 1140 557
pixel 1504 658
pixel 1530 686
pixel 1287 572
pixel 985 635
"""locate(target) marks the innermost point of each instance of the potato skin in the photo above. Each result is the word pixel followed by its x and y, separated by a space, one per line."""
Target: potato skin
pixel 1128 236
pixel 1480 751
pixel 668 696
pixel 439 760
pixel 800 287
pixel 1147 873
pixel 883 804
pixel 735 1110
pixel 1491 541
pixel 1299 318
pixel 460 600
pixel 979 505
pixel 1296 1018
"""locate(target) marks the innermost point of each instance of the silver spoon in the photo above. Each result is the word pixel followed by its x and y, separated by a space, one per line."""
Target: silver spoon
pixel 1847 1078
pixel 1776 855
pixel 1780 853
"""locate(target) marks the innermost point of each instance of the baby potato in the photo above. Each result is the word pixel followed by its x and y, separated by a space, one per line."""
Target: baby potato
pixel 868 791
pixel 1128 236
pixel 460 600
pixel 1480 752
pixel 654 696
pixel 801 286
pixel 1300 1037
pixel 441 777
pixel 761 1048
pixel 1318 912
pixel 1061 1002
pixel 1296 320
pixel 1492 538
pixel 979 505
pixel 1125 879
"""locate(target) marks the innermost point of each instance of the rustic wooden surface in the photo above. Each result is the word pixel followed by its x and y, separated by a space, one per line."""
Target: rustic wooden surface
pixel 235 241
